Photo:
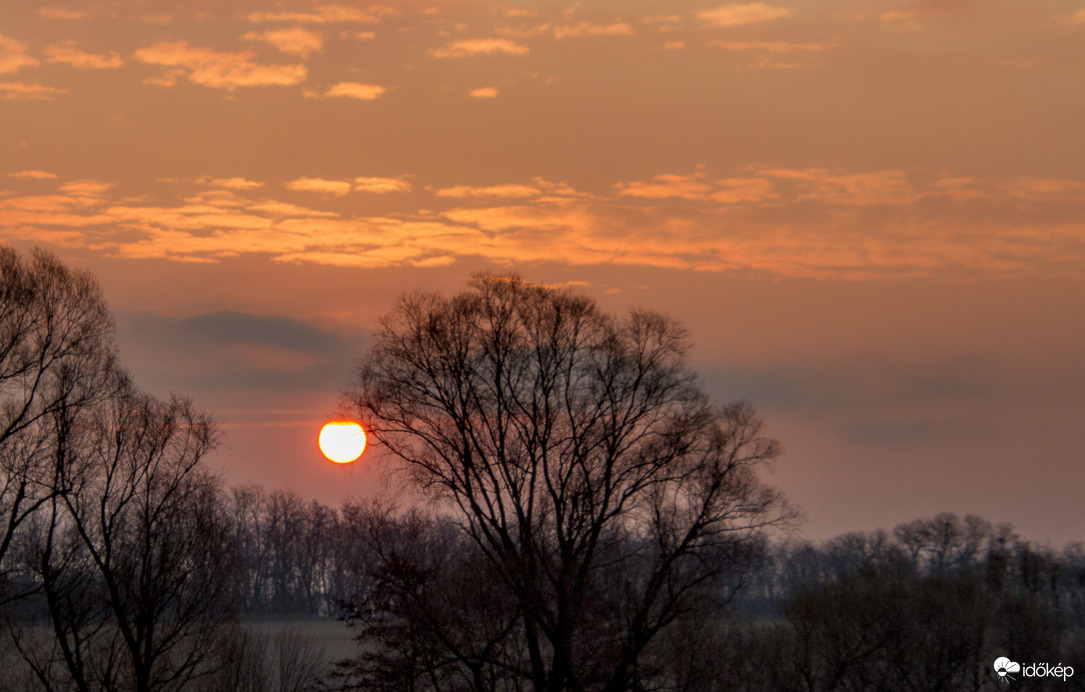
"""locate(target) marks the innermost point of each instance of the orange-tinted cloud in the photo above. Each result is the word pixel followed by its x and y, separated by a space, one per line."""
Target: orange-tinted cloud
pixel 786 222
pixel 234 183
pixel 325 14
pixel 351 90
pixel 331 187
pixel 218 70
pixel 296 41
pixel 771 46
pixel 68 54
pixel 664 186
pixel 462 191
pixel 381 186
pixel 483 93
pixel 863 189
pixel 33 175
pixel 24 90
pixel 900 19
pixel 13 56
pixel 582 29
pixel 479 46
pixel 1047 190
pixel 738 14
pixel 86 188
pixel 743 190
pixel 60 13
pixel 159 19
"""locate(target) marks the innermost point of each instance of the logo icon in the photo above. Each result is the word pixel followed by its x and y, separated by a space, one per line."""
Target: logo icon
pixel 1004 666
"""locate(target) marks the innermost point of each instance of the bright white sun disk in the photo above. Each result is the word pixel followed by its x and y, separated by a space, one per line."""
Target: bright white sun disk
pixel 342 441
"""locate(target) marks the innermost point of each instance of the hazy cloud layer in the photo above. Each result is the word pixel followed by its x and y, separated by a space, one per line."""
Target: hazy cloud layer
pixel 226 351
pixel 786 222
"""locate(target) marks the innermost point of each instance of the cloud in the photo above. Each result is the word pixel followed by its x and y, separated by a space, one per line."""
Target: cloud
pixel 697 187
pixel 814 223
pixel 900 19
pixel 381 186
pixel 479 46
pixel 735 15
pixel 1077 18
pixel 297 41
pixel 664 186
pixel 234 183
pixel 23 90
pixel 338 188
pixel 483 93
pixel 228 350
pixel 68 54
pixel 88 188
pixel 1047 190
pixel 60 13
pixel 743 190
pixel 878 399
pixel 350 90
pixel 463 191
pixel 325 14
pixel 13 56
pixel 888 187
pixel 771 46
pixel 584 29
pixel 33 175
pixel 218 70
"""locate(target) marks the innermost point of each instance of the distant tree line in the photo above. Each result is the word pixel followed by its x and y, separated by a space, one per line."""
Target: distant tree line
pixel 588 521
pixel 928 606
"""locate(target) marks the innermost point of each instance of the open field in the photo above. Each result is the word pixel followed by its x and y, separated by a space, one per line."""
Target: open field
pixel 330 635
pixel 315 644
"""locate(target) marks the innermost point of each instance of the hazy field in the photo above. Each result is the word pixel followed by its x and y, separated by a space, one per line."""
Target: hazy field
pixel 330 635
pixel 300 640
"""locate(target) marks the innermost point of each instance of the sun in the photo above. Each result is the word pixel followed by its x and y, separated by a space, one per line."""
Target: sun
pixel 342 441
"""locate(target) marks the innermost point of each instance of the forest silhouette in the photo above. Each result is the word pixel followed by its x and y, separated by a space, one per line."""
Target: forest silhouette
pixel 584 517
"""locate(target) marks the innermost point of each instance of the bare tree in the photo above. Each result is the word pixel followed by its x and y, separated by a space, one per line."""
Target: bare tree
pixel 428 617
pixel 149 520
pixel 56 359
pixel 123 544
pixel 286 661
pixel 580 454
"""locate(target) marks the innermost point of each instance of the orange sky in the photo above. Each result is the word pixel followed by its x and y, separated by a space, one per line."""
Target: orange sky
pixel 869 213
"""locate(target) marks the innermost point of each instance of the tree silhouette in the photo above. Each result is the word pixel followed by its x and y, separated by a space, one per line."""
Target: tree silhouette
pixel 56 361
pixel 577 450
pixel 123 544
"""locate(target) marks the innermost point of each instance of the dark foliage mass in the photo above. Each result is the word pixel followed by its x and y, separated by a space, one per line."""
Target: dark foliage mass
pixel 588 521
